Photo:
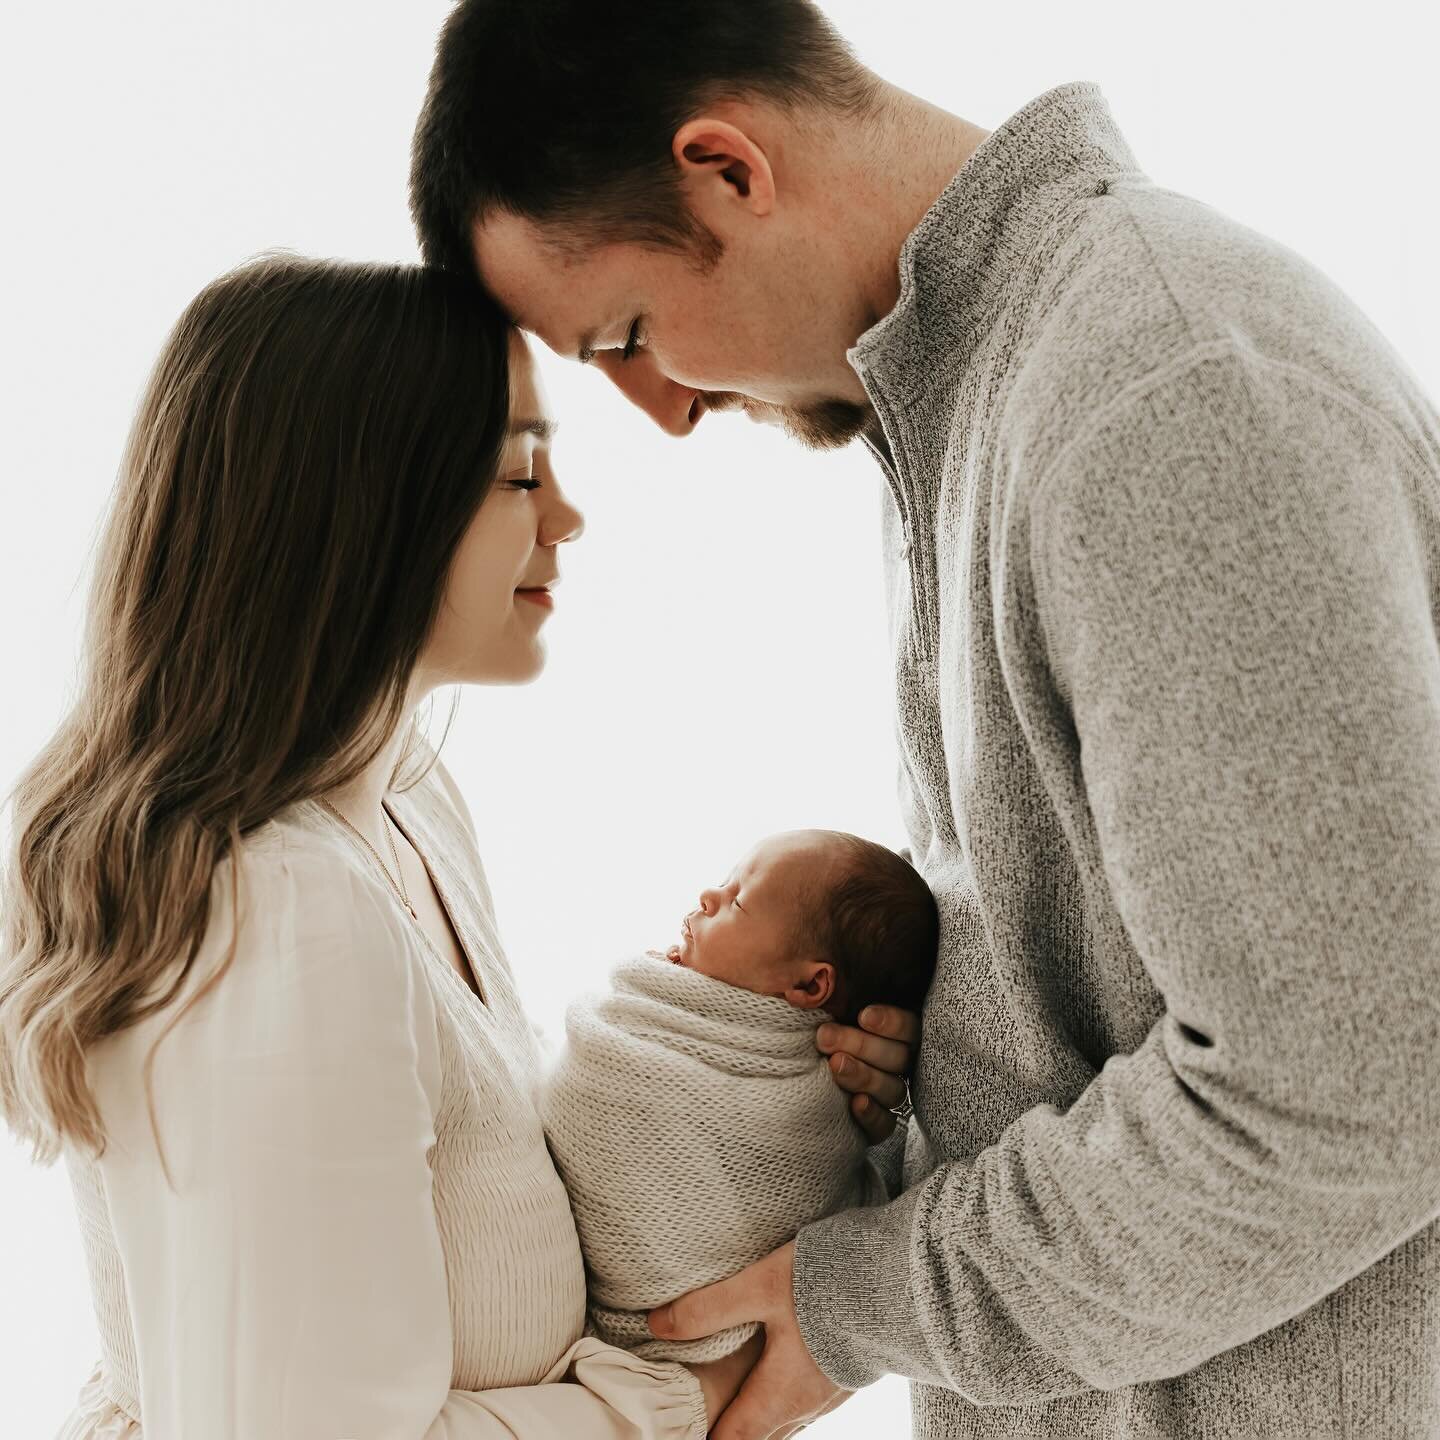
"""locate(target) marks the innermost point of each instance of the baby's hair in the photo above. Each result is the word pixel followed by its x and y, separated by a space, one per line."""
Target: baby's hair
pixel 876 921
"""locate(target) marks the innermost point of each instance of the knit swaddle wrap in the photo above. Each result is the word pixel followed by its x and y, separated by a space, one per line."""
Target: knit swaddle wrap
pixel 696 1128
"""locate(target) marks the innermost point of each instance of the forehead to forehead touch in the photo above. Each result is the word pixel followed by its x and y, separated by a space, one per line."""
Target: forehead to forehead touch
pixel 559 297
pixel 528 399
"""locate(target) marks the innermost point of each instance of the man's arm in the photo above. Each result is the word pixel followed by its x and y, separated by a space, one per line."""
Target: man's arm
pixel 1238 615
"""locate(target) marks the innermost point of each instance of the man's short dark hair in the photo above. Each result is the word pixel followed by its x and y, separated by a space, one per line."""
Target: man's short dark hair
pixel 878 924
pixel 565 110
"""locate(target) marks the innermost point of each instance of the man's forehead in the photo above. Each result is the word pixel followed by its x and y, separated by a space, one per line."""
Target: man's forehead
pixel 537 286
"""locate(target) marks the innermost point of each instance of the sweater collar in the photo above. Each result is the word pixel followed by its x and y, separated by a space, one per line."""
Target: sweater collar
pixel 959 260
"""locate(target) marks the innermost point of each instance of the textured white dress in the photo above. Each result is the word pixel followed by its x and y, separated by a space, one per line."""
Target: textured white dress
pixel 366 1237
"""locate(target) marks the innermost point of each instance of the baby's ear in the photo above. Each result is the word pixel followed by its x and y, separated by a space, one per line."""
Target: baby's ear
pixel 813 986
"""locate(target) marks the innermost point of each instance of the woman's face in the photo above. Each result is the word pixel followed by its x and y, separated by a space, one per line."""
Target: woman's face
pixel 499 592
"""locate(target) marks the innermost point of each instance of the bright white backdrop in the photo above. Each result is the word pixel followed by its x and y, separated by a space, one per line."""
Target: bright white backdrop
pixel 717 653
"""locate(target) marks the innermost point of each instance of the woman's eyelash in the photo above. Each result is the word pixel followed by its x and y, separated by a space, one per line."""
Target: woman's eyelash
pixel 526 484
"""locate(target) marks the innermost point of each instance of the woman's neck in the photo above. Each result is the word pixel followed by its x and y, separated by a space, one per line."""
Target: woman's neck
pixel 359 800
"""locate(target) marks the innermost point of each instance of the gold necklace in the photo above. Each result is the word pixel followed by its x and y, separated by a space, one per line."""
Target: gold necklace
pixel 398 887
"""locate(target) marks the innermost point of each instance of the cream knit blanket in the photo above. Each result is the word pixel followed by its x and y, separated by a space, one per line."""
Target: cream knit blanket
pixel 697 1129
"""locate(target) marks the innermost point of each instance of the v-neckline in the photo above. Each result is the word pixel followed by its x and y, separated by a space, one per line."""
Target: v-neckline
pixel 478 993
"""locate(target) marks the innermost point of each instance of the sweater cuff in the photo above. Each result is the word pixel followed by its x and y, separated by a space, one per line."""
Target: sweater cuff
pixel 853 1295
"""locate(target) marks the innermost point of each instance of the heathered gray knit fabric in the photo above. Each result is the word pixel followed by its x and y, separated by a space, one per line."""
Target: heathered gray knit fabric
pixel 1163 539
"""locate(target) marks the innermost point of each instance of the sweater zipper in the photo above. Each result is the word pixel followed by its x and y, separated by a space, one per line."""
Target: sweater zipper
pixel 920 638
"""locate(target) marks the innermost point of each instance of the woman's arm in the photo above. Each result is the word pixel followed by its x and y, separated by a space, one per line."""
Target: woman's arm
pixel 641 1398
pixel 293 1284
pixel 599 1391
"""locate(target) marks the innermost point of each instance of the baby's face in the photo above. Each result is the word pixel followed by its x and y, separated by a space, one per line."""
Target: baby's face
pixel 745 931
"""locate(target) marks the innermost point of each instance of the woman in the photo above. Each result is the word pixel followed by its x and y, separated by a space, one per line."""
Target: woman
pixel 250 984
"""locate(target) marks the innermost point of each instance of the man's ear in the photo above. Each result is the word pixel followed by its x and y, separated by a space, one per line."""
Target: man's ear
pixel 721 165
pixel 813 987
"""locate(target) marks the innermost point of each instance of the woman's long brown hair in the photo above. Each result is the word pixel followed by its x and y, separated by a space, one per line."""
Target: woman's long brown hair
pixel 314 440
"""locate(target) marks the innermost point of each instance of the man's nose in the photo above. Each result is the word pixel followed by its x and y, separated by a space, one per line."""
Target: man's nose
pixel 675 408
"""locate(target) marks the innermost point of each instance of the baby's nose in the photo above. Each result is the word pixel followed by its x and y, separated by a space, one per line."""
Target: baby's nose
pixel 709 901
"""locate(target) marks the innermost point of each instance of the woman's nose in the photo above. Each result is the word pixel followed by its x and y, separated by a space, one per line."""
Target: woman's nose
pixel 563 523
pixel 672 406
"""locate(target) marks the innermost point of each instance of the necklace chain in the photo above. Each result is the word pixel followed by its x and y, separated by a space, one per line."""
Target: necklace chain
pixel 397 886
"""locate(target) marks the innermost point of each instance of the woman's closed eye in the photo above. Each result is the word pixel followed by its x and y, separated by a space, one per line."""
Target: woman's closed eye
pixel 525 482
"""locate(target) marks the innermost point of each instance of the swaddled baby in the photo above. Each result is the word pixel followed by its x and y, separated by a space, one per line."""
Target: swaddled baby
pixel 694 1123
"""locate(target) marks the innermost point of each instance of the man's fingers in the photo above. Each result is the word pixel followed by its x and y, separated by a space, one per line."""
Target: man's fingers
pixel 874 1050
pixel 755 1412
pixel 814 1415
pixel 873 1119
pixel 765 1403
pixel 777 1399
pixel 892 1022
pixel 751 1294
pixel 700 1313
pixel 862 1079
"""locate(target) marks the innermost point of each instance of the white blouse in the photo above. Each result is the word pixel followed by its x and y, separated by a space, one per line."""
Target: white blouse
pixel 366 1237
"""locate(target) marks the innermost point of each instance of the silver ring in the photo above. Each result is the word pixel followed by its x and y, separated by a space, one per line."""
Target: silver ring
pixel 905 1110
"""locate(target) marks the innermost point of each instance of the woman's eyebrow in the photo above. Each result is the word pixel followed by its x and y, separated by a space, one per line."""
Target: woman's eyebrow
pixel 542 430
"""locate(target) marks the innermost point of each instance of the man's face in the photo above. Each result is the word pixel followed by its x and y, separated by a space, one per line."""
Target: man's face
pixel 759 330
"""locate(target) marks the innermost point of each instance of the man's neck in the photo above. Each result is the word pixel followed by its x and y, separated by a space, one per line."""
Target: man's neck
pixel 902 163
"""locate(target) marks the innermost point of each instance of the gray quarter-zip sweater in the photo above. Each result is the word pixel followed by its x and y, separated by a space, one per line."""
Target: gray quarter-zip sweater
pixel 1163 545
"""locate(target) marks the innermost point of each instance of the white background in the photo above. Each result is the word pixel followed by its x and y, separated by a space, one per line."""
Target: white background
pixel 718 666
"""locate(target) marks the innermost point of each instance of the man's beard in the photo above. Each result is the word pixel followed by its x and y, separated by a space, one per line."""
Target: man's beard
pixel 825 425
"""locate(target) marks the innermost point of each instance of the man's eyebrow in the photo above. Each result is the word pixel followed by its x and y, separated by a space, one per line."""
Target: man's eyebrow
pixel 586 353
pixel 542 430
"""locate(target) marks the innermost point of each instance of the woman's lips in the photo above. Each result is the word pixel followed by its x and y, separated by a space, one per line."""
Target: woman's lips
pixel 542 598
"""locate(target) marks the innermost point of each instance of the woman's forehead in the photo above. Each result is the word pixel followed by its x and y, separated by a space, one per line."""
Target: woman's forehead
pixel 527 390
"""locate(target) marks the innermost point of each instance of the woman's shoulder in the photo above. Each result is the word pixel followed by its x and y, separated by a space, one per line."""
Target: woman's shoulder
pixel 298 858
pixel 436 802
pixel 437 799
pixel 298 927
pixel 439 789
pixel 303 970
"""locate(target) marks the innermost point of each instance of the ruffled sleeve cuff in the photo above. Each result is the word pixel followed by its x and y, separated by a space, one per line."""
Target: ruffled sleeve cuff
pixel 661 1398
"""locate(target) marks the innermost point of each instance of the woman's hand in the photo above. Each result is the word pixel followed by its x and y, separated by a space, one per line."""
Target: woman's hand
pixel 871 1063
pixel 720 1380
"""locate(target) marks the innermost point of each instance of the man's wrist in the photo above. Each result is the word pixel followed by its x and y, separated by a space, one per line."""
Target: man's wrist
pixel 852 1293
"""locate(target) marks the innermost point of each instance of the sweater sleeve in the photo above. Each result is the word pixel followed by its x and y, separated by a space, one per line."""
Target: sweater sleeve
pixel 293 1283
pixel 1232 590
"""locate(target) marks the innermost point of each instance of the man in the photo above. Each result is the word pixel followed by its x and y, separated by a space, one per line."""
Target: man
pixel 1163 543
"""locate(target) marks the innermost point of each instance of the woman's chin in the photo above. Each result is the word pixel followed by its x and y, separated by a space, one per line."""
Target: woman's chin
pixel 518 669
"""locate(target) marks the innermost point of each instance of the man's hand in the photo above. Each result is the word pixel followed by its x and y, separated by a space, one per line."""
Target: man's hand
pixel 721 1379
pixel 786 1390
pixel 871 1063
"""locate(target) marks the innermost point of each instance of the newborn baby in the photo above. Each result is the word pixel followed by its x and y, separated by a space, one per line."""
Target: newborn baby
pixel 690 1115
